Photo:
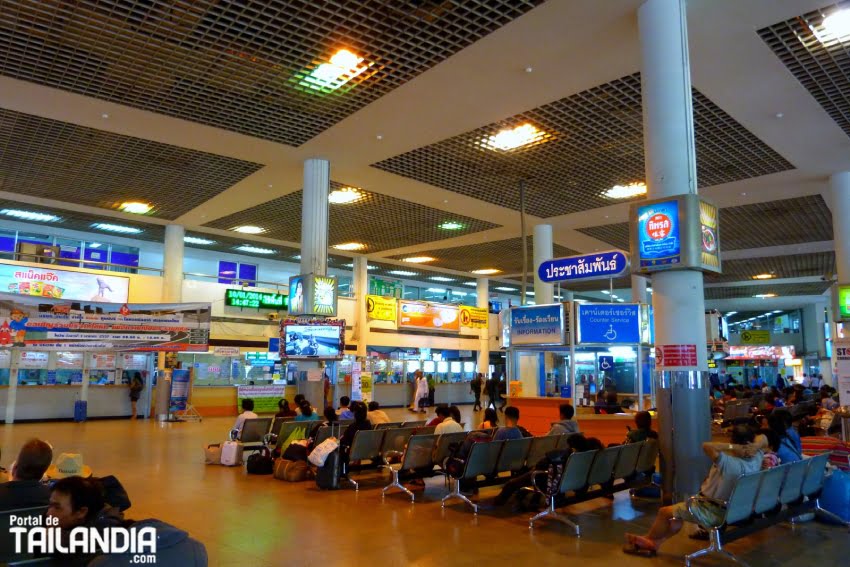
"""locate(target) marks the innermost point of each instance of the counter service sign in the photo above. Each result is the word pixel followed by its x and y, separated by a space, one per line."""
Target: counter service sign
pixel 614 323
pixel 659 239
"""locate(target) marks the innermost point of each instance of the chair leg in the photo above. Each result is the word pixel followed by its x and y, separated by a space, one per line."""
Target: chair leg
pixel 396 484
pixel 455 493
pixel 696 554
pixel 826 513
pixel 716 547
pixel 550 512
pixel 353 483
pixel 731 557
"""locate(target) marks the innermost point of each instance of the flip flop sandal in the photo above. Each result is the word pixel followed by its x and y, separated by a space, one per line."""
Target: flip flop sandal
pixel 633 549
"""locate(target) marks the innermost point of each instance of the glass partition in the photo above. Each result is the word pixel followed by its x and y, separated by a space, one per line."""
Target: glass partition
pixel 540 373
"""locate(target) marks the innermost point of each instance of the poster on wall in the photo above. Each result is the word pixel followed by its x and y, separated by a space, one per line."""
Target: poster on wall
pixel 380 308
pixel 539 325
pixel 179 398
pixel 366 387
pixel 430 316
pixel 56 283
pixel 265 397
pixel 32 360
pixel 51 324
pixel 474 317
pixel 356 376
pixel 842 365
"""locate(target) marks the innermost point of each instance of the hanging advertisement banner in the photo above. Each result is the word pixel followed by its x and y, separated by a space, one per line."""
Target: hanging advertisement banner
pixel 596 266
pixel 265 397
pixel 761 352
pixel 366 387
pixel 56 283
pixel 380 308
pixel 474 317
pixel 755 337
pixel 539 325
pixel 430 316
pixel 356 374
pixel 608 323
pixel 51 324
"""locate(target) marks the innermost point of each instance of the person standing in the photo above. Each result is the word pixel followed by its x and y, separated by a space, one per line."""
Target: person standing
pixel 492 391
pixel 137 384
pixel 420 392
pixel 475 387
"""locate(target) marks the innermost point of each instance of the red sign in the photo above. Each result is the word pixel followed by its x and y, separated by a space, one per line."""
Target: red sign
pixel 658 226
pixel 668 356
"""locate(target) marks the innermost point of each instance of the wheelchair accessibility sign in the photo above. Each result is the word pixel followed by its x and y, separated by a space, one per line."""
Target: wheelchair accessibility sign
pixel 606 363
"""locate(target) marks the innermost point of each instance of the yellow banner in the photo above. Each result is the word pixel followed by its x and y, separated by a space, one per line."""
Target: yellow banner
pixel 380 308
pixel 475 317
pixel 755 337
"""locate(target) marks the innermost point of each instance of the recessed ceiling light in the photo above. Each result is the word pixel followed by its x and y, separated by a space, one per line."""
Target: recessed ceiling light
pixel 29 215
pixel 451 225
pixel 93 245
pixel 401 273
pixel 249 229
pixel 104 115
pixel 136 207
pixel 196 240
pixel 120 228
pixel 419 259
pixel 764 295
pixel 500 288
pixel 626 191
pixel 838 24
pixel 349 246
pixel 513 138
pixel 298 257
pixel 486 271
pixel 441 279
pixel 344 196
pixel 764 277
pixel 255 250
pixel 342 67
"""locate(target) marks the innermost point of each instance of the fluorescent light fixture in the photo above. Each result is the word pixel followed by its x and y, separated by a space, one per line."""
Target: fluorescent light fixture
pixel 838 24
pixel 249 229
pixel 94 245
pixel 777 311
pixel 436 290
pixel 620 300
pixel 119 228
pixel 763 277
pixel 470 283
pixel 342 67
pixel 460 293
pixel 626 191
pixel 29 215
pixel 441 279
pixel 136 207
pixel 401 273
pixel 764 295
pixel 506 288
pixel 486 271
pixel 368 267
pixel 344 196
pixel 529 293
pixel 255 249
pixel 615 296
pixel 298 257
pixel 513 138
pixel 731 313
pixel 196 240
pixel 451 225
pixel 419 259
pixel 649 290
pixel 605 291
pixel 349 246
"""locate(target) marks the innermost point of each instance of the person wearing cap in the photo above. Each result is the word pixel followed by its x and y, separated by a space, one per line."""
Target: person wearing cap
pixel 25 489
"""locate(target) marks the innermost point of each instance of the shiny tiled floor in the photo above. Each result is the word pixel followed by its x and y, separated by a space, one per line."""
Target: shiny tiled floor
pixel 259 521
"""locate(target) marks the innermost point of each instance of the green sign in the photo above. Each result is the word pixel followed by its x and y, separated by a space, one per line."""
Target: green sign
pixel 254 299
pixel 386 288
pixel 843 302
pixel 755 337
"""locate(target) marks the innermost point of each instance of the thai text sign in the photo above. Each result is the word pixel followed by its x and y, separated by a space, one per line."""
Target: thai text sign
pixel 676 356
pixel 380 308
pixel 659 237
pixel 755 337
pixel 539 325
pixel 63 284
pixel 600 265
pixel 424 315
pixel 613 323
pixel 265 397
pixel 474 317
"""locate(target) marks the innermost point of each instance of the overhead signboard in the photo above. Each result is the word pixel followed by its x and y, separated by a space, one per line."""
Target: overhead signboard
pixel 254 299
pixel 673 357
pixel 539 325
pixel 474 317
pixel 842 365
pixel 608 323
pixel 599 265
pixel 313 295
pixel 380 308
pixel 430 316
pixel 842 302
pixel 760 352
pixel 385 287
pixel 55 283
pixel 676 233
pixel 755 337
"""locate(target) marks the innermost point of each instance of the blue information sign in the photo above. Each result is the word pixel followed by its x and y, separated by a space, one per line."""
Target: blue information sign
pixel 600 265
pixel 179 398
pixel 659 235
pixel 274 344
pixel 538 325
pixel 611 323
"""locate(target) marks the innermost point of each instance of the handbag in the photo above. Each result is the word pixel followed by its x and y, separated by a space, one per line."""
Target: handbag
pixel 212 455
pixel 291 471
pixel 320 454
pixel 260 462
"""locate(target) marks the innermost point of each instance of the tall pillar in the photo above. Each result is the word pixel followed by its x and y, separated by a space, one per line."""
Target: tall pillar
pixel 543 250
pixel 361 290
pixel 638 289
pixel 482 300
pixel 172 260
pixel 839 186
pixel 678 301
pixel 314 217
pixel 12 390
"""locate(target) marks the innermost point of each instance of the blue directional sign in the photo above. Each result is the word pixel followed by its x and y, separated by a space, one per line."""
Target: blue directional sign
pixel 608 323
pixel 597 266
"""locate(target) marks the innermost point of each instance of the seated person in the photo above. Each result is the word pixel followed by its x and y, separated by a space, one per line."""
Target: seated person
pixel 283 409
pixel 247 413
pixel 511 430
pixel 566 425
pixel 731 460
pixel 376 415
pixel 612 404
pixel 330 419
pixel 790 447
pixel 827 402
pixel 643 431
pixel 25 489
pixel 296 402
pixel 491 419
pixel 361 423
pixel 455 413
pixel 307 413
pixel 344 412
pixel 448 424
pixel 442 412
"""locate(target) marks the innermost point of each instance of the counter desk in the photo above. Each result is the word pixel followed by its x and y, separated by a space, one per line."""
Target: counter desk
pixel 57 401
pixel 538 413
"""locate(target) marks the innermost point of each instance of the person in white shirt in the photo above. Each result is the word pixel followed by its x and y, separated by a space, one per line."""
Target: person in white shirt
pixel 376 415
pixel 247 413
pixel 448 425
pixel 807 381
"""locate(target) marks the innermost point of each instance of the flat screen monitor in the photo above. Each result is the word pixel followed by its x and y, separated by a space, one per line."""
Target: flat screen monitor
pixel 312 341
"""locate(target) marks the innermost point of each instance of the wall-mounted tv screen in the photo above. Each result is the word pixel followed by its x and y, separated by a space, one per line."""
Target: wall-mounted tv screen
pixel 312 341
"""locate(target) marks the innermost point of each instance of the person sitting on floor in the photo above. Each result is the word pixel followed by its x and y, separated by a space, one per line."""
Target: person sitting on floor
pixel 566 425
pixel 643 431
pixel 247 413
pixel 25 489
pixel 731 460
pixel 511 430
pixel 449 424
pixel 344 412
pixel 376 415
pixel 442 412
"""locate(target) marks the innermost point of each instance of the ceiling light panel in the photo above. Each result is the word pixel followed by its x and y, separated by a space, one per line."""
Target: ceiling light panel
pixel 603 148
pixel 31 216
pixel 506 255
pixel 116 228
pixel 240 65
pixel 91 167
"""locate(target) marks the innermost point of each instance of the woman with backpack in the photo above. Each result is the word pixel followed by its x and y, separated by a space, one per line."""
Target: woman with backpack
pixel 136 387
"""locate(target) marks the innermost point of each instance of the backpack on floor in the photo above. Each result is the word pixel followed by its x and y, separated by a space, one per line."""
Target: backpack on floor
pixel 260 462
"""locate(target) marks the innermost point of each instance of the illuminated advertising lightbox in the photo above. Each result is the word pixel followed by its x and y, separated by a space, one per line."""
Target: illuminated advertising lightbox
pixel 316 340
pixel 709 223
pixel 659 237
pixel 55 283
pixel 254 299
pixel 313 295
pixel 842 310
pixel 430 316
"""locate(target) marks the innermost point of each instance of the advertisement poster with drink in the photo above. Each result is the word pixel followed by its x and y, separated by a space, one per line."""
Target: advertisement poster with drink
pixel 424 315
pixel 659 239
